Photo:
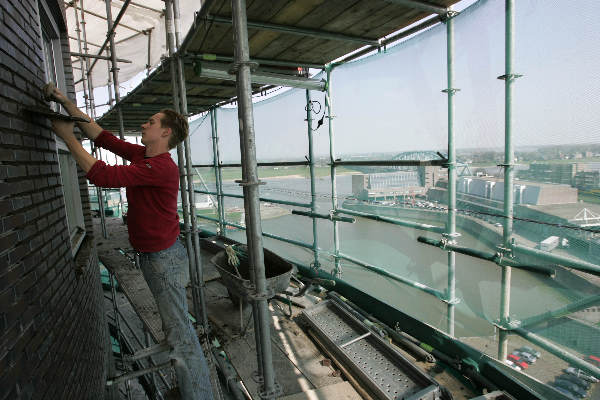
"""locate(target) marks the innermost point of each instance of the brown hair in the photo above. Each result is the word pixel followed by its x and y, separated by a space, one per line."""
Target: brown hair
pixel 178 124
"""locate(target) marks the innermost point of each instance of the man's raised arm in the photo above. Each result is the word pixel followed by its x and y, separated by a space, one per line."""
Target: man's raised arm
pixel 91 129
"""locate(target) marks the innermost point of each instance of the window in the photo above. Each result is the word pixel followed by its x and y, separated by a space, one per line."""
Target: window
pixel 53 69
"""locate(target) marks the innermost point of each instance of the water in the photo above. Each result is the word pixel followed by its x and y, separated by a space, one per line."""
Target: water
pixel 396 249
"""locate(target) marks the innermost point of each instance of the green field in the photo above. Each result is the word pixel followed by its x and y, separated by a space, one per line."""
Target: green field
pixel 233 216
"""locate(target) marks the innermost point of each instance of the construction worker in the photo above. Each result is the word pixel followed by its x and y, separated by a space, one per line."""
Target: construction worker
pixel 152 185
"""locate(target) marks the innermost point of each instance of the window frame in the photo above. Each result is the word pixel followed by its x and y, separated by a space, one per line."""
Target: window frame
pixel 49 34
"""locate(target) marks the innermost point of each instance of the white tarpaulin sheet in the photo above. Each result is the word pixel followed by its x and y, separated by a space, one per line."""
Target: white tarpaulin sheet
pixel 130 40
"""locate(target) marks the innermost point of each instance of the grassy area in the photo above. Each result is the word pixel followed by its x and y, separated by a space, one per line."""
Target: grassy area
pixel 230 174
pixel 233 216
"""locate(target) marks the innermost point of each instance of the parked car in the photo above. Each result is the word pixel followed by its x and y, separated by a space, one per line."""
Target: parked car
pixel 518 361
pixel 568 394
pixel 512 365
pixel 580 374
pixel 571 387
pixel 595 360
pixel 531 351
pixel 585 385
pixel 527 357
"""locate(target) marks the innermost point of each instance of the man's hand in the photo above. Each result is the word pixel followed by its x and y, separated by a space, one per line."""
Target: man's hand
pixel 51 93
pixel 63 129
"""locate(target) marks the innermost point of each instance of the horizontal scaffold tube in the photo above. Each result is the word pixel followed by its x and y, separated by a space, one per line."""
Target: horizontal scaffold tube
pixel 330 217
pixel 554 258
pixel 408 224
pixel 568 309
pixel 395 277
pixel 263 164
pixel 266 234
pixel 493 257
pixel 392 163
pixel 266 200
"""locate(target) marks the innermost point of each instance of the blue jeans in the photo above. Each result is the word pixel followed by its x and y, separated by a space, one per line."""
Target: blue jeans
pixel 167 273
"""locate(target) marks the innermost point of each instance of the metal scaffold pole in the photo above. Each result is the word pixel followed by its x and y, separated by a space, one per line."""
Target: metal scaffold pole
pixel 183 176
pixel 88 72
pixel 313 193
pixel 509 156
pixel 334 199
pixel 451 233
pixel 198 284
pixel 109 87
pixel 115 69
pixel 218 176
pixel 250 184
pixel 81 62
pixel 88 96
pixel 113 293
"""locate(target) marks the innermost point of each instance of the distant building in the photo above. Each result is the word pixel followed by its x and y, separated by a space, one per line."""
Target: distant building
pixel 581 175
pixel 386 185
pixel 587 180
pixel 492 189
pixel 550 173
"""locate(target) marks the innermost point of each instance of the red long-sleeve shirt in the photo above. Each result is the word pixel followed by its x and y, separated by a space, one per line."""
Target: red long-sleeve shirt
pixel 151 184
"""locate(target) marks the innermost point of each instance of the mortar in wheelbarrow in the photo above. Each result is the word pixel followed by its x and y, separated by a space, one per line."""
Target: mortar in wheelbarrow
pixel 277 272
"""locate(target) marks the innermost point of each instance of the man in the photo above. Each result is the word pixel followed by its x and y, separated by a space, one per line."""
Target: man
pixel 152 184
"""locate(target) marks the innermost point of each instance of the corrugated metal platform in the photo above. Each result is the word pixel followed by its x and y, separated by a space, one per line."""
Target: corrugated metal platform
pixel 375 363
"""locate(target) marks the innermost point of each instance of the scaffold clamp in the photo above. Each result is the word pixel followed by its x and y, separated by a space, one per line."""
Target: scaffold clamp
pixel 249 183
pixel 451 90
pixel 235 67
pixel 509 77
pixel 274 393
pixel 453 301
pixel 449 15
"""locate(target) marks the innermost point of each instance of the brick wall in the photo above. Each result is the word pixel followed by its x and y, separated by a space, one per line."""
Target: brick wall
pixel 52 328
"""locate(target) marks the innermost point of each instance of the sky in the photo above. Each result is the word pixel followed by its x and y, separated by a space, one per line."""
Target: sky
pixel 393 101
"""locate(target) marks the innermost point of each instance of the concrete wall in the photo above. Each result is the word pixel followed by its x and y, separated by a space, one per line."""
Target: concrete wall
pixel 52 327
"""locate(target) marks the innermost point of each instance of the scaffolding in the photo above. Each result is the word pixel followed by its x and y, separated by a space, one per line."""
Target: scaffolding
pixel 198 75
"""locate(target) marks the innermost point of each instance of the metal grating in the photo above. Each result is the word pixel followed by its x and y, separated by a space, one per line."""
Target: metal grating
pixel 378 365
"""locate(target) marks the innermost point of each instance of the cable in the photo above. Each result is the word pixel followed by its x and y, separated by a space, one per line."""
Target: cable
pixel 310 107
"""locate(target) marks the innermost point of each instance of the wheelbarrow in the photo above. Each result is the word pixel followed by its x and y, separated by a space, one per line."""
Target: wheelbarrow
pixel 237 280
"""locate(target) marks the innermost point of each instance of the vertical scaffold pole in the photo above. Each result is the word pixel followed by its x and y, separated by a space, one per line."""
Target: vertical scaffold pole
pixel 217 164
pixel 88 94
pixel 451 233
pixel 81 61
pixel 250 184
pixel 334 200
pixel 109 87
pixel 183 182
pixel 198 276
pixel 509 156
pixel 148 65
pixel 113 293
pixel 115 71
pixel 88 74
pixel 313 194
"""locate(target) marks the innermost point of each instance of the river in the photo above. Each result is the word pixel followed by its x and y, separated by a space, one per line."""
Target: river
pixel 396 249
